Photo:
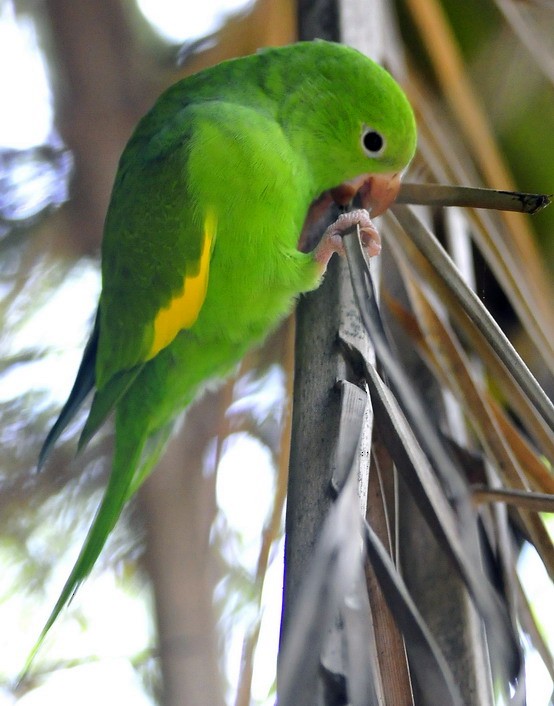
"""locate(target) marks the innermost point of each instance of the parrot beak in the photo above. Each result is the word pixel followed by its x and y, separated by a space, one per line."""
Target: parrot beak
pixel 379 192
pixel 376 191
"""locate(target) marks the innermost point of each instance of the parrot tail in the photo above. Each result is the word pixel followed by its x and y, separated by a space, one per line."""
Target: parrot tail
pixel 135 455
pixel 83 384
pixel 104 402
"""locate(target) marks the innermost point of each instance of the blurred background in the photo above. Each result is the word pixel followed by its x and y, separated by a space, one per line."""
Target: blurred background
pixel 189 588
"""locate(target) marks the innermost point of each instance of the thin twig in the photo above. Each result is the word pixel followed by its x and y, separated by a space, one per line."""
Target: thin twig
pixel 540 502
pixel 473 197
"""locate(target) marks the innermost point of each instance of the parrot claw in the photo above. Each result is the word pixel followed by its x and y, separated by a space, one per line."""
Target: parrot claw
pixel 331 241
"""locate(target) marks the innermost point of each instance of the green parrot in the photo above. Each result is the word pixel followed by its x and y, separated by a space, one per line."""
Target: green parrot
pixel 209 237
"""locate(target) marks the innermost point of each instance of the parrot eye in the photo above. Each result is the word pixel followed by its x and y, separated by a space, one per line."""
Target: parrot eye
pixel 372 142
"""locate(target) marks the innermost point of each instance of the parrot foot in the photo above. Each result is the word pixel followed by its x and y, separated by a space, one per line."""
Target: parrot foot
pixel 331 241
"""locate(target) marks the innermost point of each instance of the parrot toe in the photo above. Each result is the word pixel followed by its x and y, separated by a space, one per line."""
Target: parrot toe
pixel 332 238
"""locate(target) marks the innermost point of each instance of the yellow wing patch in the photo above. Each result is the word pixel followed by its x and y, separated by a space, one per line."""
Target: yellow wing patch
pixel 182 311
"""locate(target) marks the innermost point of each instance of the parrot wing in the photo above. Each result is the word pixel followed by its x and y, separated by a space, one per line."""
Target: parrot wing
pixel 157 248
pixel 158 243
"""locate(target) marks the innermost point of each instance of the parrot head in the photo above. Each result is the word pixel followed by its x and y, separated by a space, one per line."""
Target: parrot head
pixel 354 125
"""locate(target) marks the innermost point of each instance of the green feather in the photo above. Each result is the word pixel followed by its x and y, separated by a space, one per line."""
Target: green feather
pixel 84 383
pixel 215 184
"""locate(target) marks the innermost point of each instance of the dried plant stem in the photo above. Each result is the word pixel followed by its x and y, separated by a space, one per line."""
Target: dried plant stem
pixel 446 195
pixel 474 309
pixel 539 502
pixel 448 64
